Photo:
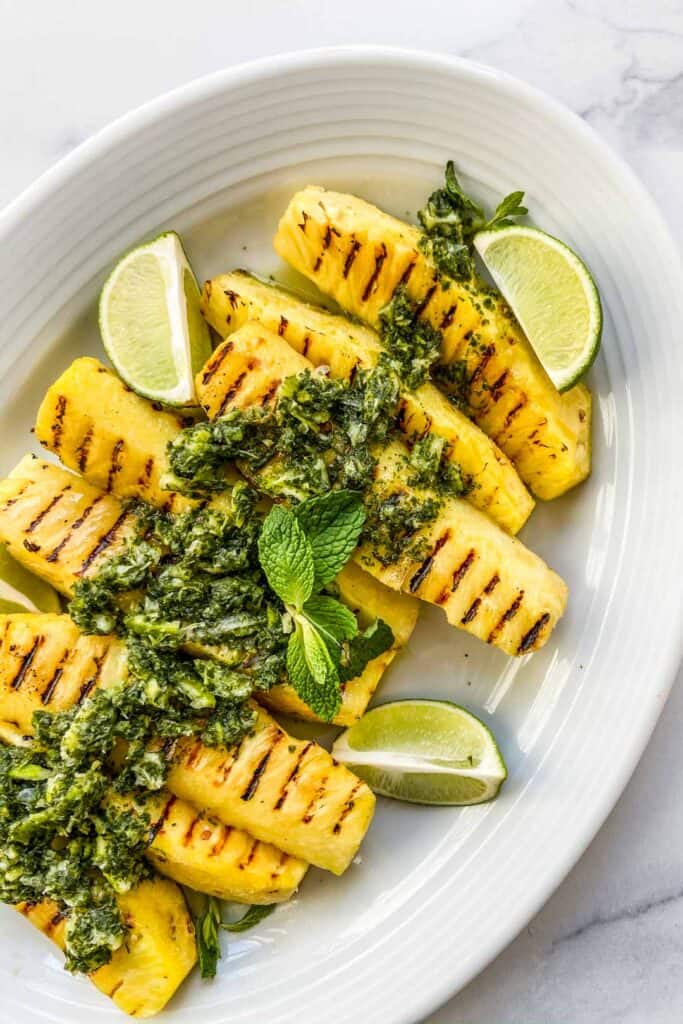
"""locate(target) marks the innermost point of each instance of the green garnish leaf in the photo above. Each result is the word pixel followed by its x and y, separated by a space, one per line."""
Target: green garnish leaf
pixel 451 219
pixel 312 671
pixel 332 524
pixel 510 206
pixel 334 621
pixel 286 556
pixel 375 640
pixel 207 927
pixel 254 915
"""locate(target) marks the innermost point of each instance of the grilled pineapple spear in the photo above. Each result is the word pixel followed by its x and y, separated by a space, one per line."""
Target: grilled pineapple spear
pixel 117 440
pixel 230 300
pixel 360 256
pixel 487 582
pixel 47 664
pixel 159 953
pixel 45 522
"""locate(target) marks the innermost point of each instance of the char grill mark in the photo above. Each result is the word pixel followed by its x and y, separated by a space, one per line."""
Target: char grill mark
pixel 57 426
pixel 405 276
pixel 104 542
pixel 497 386
pixel 506 617
pixel 462 570
pixel 115 464
pixel 346 809
pixel 428 296
pixel 90 683
pixel 448 316
pixel 223 834
pixel 479 369
pixel 216 360
pixel 157 825
pixel 292 775
pixel 146 474
pixel 46 695
pixel 260 768
pixel 426 566
pixel 25 664
pixel 309 813
pixel 76 525
pixel 373 280
pixel 48 508
pixel 83 449
pixel 471 612
pixel 235 387
pixel 350 257
pixel 529 639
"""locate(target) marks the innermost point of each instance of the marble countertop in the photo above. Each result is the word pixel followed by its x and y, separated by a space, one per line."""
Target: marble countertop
pixel 608 946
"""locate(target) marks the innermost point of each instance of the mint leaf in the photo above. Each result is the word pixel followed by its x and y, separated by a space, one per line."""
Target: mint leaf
pixel 375 640
pixel 332 524
pixel 312 672
pixel 334 621
pixel 286 557
pixel 510 206
pixel 254 915
pixel 206 926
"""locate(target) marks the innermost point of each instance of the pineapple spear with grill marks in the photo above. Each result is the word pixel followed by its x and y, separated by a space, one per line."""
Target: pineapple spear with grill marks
pixel 487 582
pixel 230 300
pixel 158 954
pixel 125 452
pixel 360 256
pixel 47 664
pixel 48 508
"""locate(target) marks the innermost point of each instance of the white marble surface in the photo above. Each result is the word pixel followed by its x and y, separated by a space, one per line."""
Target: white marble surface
pixel 608 946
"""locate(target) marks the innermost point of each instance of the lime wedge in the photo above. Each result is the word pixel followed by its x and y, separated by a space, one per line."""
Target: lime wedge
pixel 151 325
pixel 424 752
pixel 21 591
pixel 552 294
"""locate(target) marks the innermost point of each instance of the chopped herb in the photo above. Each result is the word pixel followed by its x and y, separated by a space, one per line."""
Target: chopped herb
pixel 413 344
pixel 254 915
pixel 451 219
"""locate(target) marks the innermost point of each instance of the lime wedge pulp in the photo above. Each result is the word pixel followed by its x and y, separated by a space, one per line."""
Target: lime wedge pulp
pixel 424 751
pixel 21 591
pixel 151 325
pixel 551 292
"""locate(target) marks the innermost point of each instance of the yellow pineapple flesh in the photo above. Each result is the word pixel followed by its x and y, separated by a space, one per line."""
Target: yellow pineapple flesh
pixel 359 255
pixel 80 397
pixel 157 955
pixel 279 789
pixel 487 582
pixel 58 525
pixel 230 300
pixel 47 664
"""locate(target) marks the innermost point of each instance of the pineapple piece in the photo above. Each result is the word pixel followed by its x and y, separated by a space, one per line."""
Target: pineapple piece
pixel 114 438
pixel 298 799
pixel 359 255
pixel 197 850
pixel 159 952
pixel 103 430
pixel 487 582
pixel 326 339
pixel 279 789
pixel 47 664
pixel 57 525
pixel 30 499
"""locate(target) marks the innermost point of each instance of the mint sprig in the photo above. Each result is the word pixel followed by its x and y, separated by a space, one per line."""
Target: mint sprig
pixel 301 550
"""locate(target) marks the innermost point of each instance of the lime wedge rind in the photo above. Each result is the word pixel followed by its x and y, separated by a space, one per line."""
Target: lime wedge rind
pixel 155 341
pixel 412 777
pixel 565 353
